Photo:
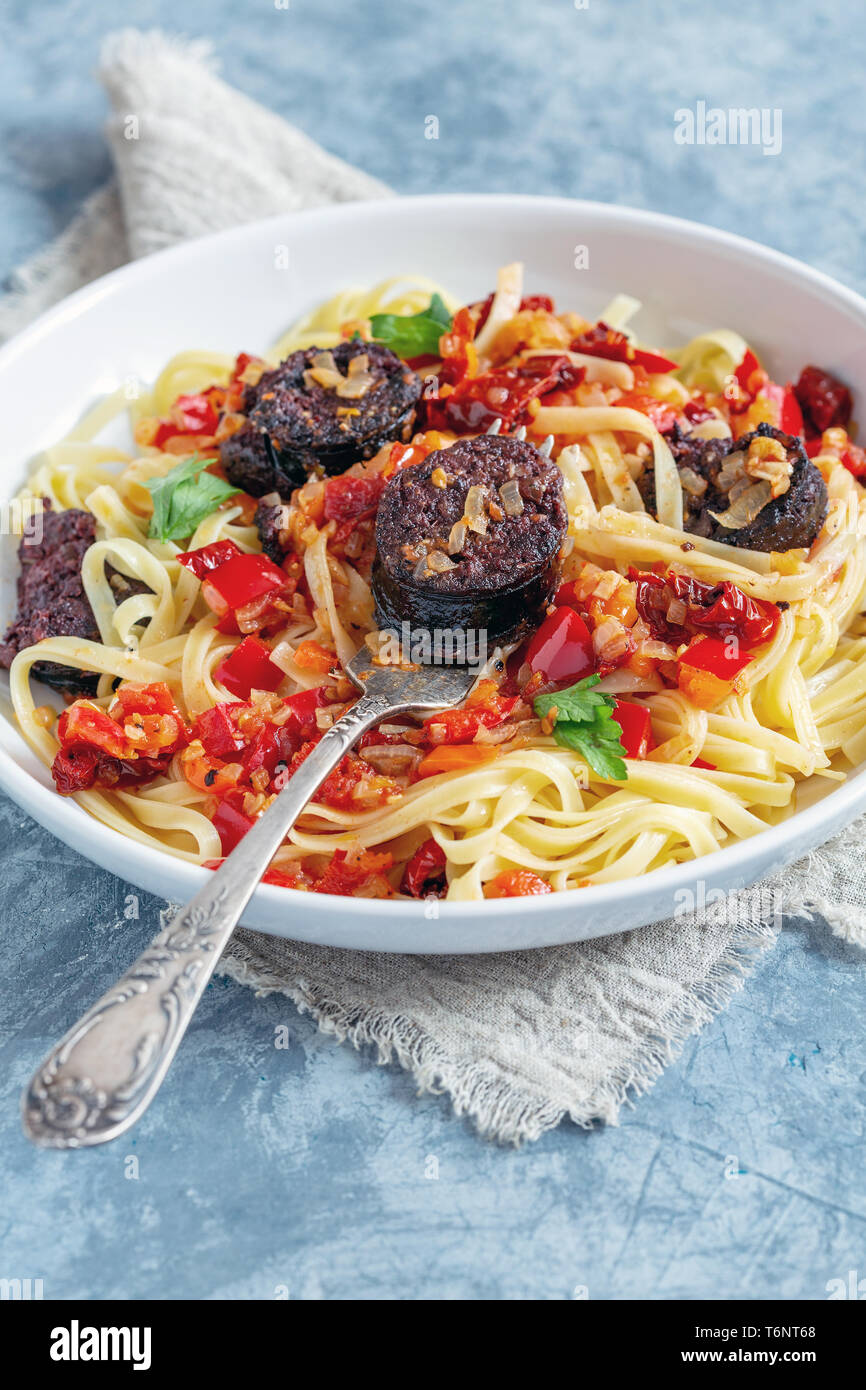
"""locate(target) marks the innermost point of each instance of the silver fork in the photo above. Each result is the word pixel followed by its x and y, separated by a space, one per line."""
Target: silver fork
pixel 107 1069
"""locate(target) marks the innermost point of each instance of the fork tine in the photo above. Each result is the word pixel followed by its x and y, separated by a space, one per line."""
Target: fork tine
pixel 521 433
pixel 496 426
pixel 545 448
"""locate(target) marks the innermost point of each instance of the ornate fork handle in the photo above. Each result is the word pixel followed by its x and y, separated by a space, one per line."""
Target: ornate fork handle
pixel 104 1073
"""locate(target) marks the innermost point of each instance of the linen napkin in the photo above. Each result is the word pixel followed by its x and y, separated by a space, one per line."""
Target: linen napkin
pixel 516 1040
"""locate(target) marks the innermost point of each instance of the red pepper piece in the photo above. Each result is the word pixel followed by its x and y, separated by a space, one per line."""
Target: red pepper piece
pixel 562 647
pixel 302 721
pixel 249 667
pixel 825 400
pixel 723 609
pixel 271 745
pixel 83 723
pixel 425 871
pixel 566 596
pixel 602 341
pixel 788 413
pixel 218 731
pixel 637 730
pixel 721 659
pixel 239 580
pixel 79 766
pixel 502 393
pixel 208 557
pixel 231 825
pixel 516 883
pixel 350 499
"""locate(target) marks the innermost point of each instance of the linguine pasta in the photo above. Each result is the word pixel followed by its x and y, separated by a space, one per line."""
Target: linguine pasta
pixel 714 771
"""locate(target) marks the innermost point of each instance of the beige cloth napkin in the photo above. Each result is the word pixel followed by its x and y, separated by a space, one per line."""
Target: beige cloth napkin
pixel 518 1041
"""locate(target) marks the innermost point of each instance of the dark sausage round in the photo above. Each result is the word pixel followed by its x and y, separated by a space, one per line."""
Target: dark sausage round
pixel 787 522
pixel 304 419
pixel 433 570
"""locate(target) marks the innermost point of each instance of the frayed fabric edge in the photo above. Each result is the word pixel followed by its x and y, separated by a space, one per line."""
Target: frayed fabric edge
pixel 498 1109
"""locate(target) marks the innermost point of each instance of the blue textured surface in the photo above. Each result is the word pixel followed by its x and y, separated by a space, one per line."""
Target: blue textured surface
pixel 304 1168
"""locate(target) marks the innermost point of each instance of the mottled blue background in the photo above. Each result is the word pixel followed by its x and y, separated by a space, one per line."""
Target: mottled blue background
pixel 305 1167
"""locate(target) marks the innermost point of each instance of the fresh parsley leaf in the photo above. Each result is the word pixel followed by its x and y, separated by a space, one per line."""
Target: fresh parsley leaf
pixel 184 497
pixel 599 743
pixel 577 702
pixel 413 335
pixel 584 721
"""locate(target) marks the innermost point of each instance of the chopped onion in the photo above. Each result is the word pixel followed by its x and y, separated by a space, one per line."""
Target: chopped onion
pixel 610 640
pixel 677 612
pixel 733 468
pixel 618 682
pixel 693 482
pixel 324 361
pixel 745 508
pixel 475 516
pixel 439 562
pixel 739 487
pixel 607 585
pixel 392 757
pixel 512 502
pixel 457 538
pixel 656 651
pixel 421 568
pixel 352 387
pixel 361 363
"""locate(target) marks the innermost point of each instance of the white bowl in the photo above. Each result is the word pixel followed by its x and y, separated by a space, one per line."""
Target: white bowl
pixel 225 292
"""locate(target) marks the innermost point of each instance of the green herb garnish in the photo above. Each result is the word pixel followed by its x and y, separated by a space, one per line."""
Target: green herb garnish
pixel 184 497
pixel 413 335
pixel 584 721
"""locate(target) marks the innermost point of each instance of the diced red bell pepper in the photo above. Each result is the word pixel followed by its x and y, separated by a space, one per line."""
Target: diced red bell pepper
pixel 566 596
pixel 721 609
pixel 708 670
pixel 854 459
pixel 825 400
pixel 462 725
pixel 637 730
pixel 786 405
pixel 503 393
pixel 662 415
pixel 516 883
pixel 708 767
pixel 302 720
pixel 602 341
pixel 208 557
pixel 272 744
pixel 350 499
pixel 231 825
pixel 425 871
pixel 196 415
pixel 79 766
pixel 345 874
pixel 218 731
pixel 456 757
pixel 750 376
pixel 722 659
pixel 562 647
pixel 88 724
pixel 239 580
pixel 249 667
pixel 134 697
